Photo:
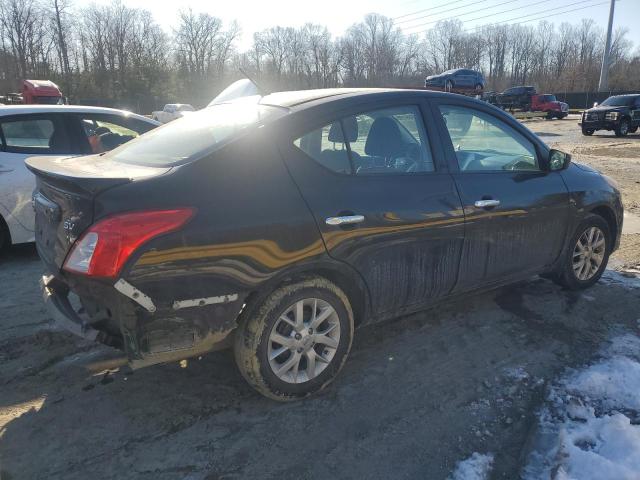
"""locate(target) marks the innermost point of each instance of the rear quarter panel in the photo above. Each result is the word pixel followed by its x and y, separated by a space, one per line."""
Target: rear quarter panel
pixel 251 225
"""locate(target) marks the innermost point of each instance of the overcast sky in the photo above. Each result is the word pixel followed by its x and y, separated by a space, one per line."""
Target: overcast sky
pixel 338 15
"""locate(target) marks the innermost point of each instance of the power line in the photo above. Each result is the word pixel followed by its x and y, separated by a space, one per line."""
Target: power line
pixel 430 8
pixel 520 16
pixel 545 16
pixel 455 16
pixel 441 12
pixel 491 14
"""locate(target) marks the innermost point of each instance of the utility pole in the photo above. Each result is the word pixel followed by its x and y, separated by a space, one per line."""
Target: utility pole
pixel 603 85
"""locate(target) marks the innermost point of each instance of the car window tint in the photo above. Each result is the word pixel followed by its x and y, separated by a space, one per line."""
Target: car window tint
pixel 485 143
pixel 389 141
pixel 327 147
pixel 34 135
pixel 105 133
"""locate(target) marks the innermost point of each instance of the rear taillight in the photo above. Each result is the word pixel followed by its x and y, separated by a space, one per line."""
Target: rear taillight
pixel 105 247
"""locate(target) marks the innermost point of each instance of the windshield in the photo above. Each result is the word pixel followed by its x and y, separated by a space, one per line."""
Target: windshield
pixel 618 101
pixel 548 98
pixel 193 135
pixel 48 100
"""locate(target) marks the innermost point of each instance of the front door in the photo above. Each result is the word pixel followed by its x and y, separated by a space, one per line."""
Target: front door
pixel 516 211
pixel 383 202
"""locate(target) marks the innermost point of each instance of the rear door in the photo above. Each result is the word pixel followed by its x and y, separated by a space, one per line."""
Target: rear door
pixel 466 78
pixel 516 211
pixel 24 136
pixel 383 200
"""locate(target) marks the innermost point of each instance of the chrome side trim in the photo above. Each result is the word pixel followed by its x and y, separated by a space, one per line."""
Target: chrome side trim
pixel 134 294
pixel 201 302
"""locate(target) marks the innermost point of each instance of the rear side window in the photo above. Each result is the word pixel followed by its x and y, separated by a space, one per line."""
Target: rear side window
pixel 36 135
pixel 326 146
pixel 379 142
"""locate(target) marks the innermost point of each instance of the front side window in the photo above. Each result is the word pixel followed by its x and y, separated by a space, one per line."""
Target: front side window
pixel 37 135
pixel 485 143
pixel 106 132
pixel 386 141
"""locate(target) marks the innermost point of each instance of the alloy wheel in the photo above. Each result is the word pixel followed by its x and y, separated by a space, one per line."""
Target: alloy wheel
pixel 303 340
pixel 588 253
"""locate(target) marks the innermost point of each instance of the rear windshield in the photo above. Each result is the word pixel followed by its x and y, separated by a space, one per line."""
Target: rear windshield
pixel 192 136
pixel 619 101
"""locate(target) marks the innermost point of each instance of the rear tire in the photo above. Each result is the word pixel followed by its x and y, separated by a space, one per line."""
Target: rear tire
pixel 5 236
pixel 633 129
pixel 587 132
pixel 594 235
pixel 622 129
pixel 278 346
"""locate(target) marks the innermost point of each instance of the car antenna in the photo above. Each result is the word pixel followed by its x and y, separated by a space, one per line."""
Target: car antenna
pixel 263 91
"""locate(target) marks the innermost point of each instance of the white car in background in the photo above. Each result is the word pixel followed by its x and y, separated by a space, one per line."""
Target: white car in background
pixel 56 130
pixel 172 111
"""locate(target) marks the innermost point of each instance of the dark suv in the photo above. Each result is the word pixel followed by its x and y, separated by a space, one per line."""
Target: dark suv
pixel 278 224
pixel 620 113
pixel 516 97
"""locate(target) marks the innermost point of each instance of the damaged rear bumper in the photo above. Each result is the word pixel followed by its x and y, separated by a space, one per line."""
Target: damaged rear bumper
pixel 56 299
pixel 151 331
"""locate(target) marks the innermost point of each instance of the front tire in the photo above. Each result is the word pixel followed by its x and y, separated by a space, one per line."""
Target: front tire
pixel 587 255
pixel 296 341
pixel 5 236
pixel 587 132
pixel 622 129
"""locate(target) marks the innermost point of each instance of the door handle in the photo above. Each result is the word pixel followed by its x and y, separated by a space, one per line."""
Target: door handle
pixel 345 220
pixel 487 203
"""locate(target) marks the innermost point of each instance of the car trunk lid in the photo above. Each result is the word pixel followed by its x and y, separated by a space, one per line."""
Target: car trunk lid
pixel 64 198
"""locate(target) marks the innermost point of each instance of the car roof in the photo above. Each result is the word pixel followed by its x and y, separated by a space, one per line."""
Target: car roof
pixel 323 95
pixel 25 109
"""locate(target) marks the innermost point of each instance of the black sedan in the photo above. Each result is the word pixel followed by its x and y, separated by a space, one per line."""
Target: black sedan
pixel 278 224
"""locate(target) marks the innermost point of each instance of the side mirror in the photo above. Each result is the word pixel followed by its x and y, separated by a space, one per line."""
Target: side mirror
pixel 595 104
pixel 558 160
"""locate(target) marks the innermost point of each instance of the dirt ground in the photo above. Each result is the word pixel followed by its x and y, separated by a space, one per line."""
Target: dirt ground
pixel 417 395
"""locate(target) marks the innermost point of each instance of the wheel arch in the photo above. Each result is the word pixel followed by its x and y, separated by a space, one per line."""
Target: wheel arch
pixel 342 275
pixel 609 216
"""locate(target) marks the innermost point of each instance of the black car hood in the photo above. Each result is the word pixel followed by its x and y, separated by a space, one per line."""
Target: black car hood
pixel 607 108
pixel 585 167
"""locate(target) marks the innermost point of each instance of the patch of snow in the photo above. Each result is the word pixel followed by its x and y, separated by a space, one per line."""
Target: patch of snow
pixel 516 373
pixel 476 467
pixel 590 426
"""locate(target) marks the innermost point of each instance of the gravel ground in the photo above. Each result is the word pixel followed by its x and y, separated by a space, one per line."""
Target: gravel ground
pixel 417 395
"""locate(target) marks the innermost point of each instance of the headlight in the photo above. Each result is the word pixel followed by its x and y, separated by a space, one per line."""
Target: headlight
pixel 612 115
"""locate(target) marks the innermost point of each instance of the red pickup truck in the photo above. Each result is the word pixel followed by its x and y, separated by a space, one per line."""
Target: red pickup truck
pixel 548 103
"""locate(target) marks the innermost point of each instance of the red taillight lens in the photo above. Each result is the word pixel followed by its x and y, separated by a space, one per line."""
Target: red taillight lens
pixel 105 247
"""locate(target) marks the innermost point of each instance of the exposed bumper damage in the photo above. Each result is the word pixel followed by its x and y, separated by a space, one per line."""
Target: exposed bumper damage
pixel 149 331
